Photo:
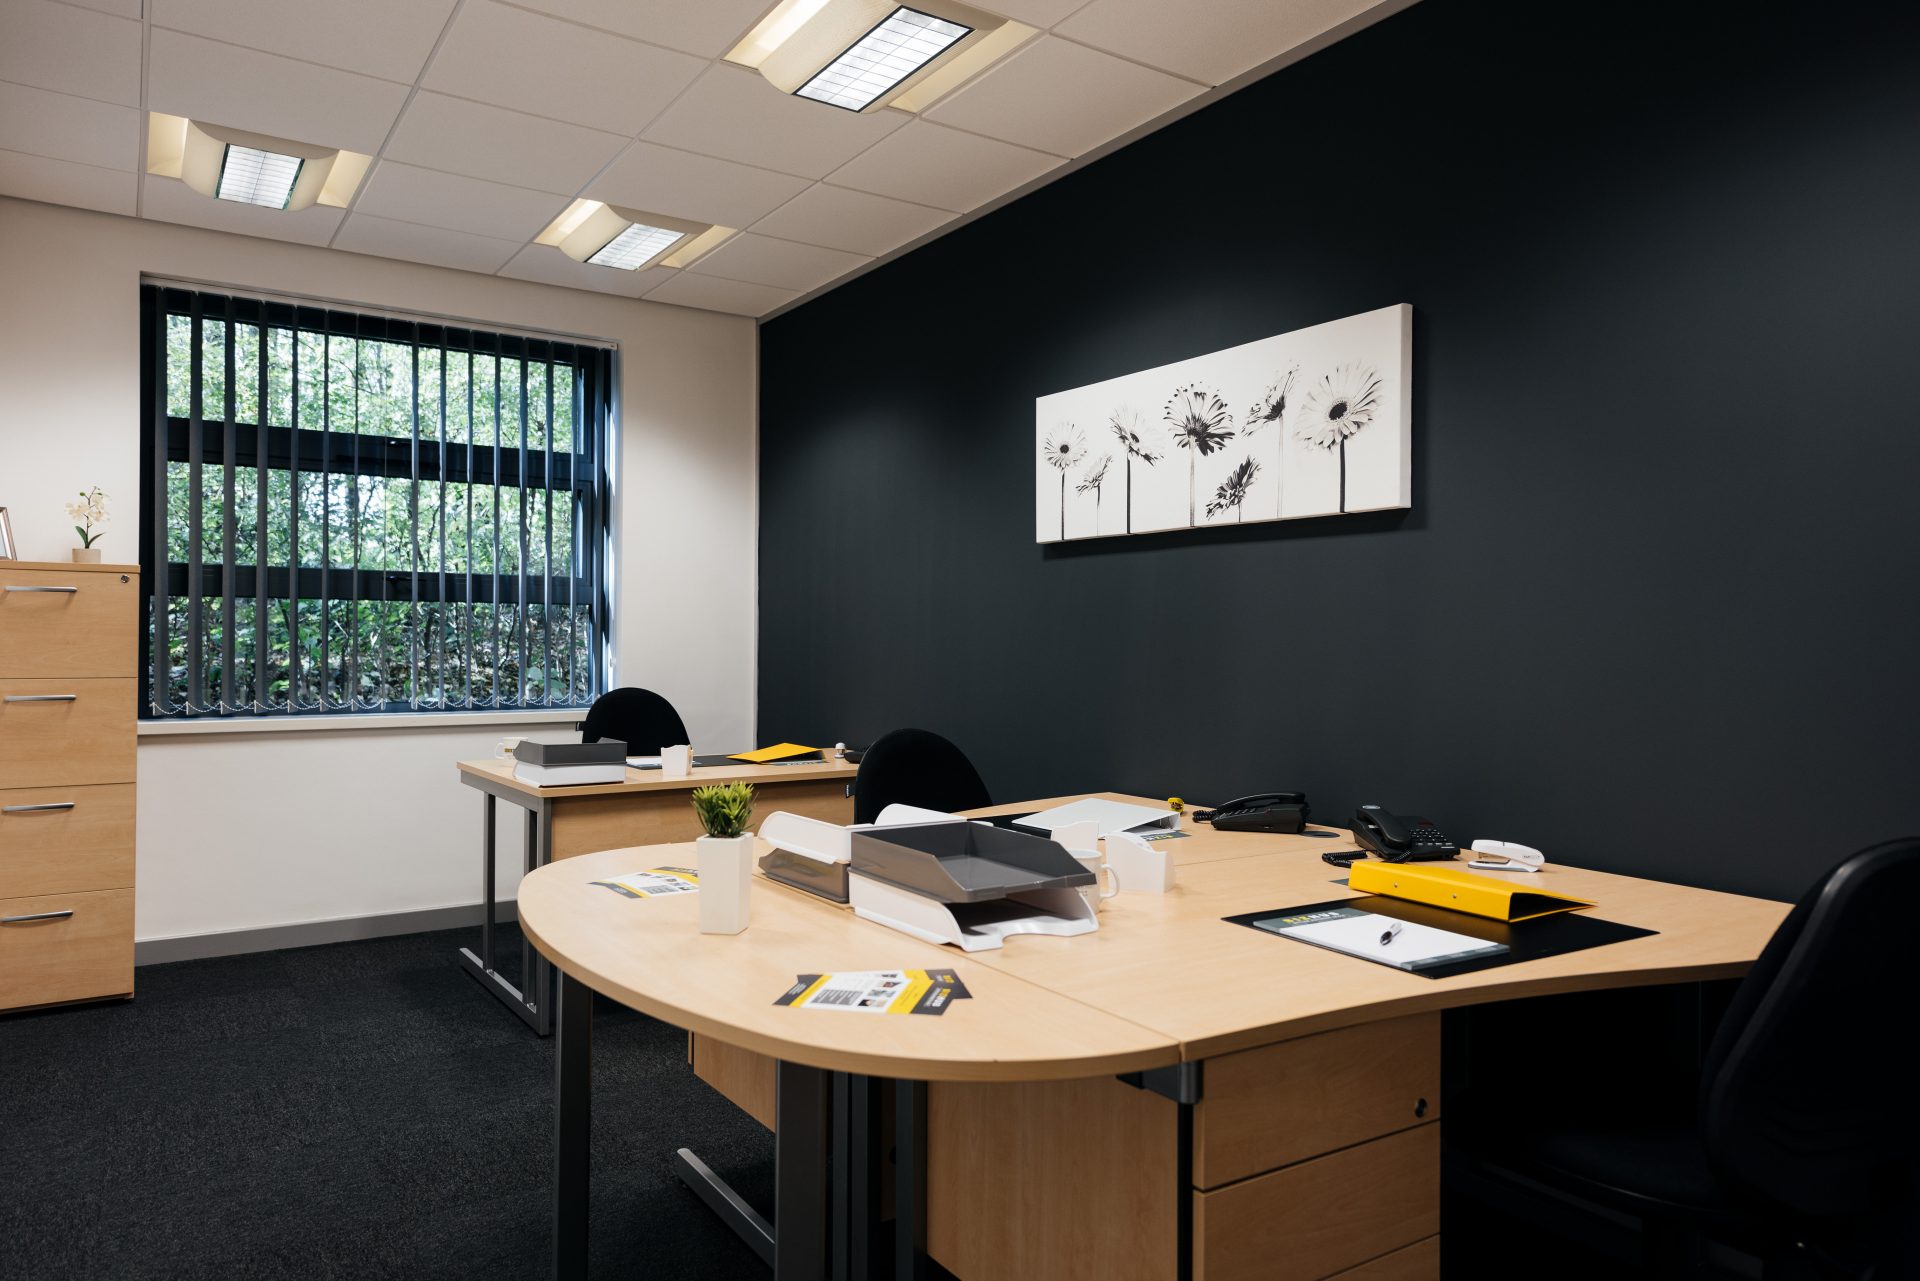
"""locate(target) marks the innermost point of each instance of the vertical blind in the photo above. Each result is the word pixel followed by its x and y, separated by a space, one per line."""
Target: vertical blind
pixel 361 513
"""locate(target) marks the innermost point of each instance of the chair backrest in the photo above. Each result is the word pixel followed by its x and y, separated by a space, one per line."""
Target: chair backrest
pixel 640 718
pixel 915 767
pixel 1803 1097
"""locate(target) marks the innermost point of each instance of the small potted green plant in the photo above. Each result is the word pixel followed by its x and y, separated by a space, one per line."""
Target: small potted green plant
pixel 91 512
pixel 725 855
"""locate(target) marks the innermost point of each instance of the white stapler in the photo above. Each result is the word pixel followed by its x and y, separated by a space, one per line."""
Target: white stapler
pixel 1505 856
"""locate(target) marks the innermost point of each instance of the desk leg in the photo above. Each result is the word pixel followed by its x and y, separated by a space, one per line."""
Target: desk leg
pixel 573 1129
pixel 487 813
pixel 535 970
pixel 535 1004
pixel 803 1108
pixel 909 1180
pixel 1183 1192
pixel 806 1189
pixel 856 1176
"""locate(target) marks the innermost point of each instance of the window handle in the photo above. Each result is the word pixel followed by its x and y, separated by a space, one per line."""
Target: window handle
pixel 36 916
pixel 65 591
pixel 46 808
pixel 42 698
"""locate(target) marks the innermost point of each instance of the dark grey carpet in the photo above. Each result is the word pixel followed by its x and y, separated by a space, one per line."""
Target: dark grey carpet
pixel 365 1110
pixel 360 1110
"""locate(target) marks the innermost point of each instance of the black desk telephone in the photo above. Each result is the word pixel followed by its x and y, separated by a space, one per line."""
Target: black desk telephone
pixel 1265 812
pixel 1400 840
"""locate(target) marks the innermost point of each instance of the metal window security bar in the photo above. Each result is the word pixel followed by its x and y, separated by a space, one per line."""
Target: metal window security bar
pixel 354 513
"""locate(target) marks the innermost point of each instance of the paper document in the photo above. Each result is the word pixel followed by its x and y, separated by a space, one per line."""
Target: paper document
pixel 1358 933
pixel 658 882
pixel 644 762
pixel 1109 816
pixel 877 992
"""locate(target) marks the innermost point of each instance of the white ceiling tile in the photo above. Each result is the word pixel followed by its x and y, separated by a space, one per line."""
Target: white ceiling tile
pixel 852 220
pixel 63 127
pixel 170 200
pixel 547 265
pixel 931 164
pixel 546 67
pixel 61 182
pixel 1211 42
pixel 385 238
pixel 500 145
pixel 708 27
pixel 372 37
pixel 1058 96
pixel 124 8
pixel 681 184
pixel 734 113
pixel 715 293
pixel 435 199
pixel 223 84
pixel 1036 13
pixel 71 50
pixel 784 264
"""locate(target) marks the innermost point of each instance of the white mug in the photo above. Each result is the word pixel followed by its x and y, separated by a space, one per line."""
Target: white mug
pixel 1094 862
pixel 504 748
pixel 677 761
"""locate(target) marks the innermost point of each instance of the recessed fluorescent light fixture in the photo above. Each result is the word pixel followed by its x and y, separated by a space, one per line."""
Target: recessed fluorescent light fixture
pixel 255 177
pixel 635 247
pixel 861 55
pixel 603 235
pixel 905 41
pixel 251 168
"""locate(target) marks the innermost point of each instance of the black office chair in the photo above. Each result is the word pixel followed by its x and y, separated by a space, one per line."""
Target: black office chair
pixel 1802 1149
pixel 640 718
pixel 915 767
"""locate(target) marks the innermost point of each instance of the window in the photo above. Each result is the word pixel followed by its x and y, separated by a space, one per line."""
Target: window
pixel 351 513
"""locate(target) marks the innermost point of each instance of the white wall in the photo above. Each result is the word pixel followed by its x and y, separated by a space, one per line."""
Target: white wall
pixel 264 829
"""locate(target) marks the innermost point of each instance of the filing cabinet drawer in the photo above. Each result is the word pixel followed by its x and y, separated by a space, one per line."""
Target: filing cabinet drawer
pixel 1265 1108
pixel 81 622
pixel 1417 1262
pixel 1321 1217
pixel 65 947
pixel 63 839
pixel 66 731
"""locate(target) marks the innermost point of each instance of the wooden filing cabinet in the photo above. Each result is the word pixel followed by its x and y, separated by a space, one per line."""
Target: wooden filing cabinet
pixel 68 692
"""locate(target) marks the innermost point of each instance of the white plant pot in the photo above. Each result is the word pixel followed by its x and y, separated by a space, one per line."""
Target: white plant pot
pixel 86 555
pixel 726 868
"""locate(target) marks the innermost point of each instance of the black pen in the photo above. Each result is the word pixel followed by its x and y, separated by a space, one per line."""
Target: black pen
pixel 1391 933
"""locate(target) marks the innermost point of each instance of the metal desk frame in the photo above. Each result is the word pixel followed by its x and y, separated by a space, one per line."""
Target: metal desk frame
pixel 534 1006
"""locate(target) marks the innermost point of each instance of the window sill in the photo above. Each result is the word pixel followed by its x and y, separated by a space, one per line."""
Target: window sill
pixel 362 723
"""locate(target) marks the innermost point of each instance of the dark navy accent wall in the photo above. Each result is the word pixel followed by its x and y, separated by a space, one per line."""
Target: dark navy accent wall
pixel 1656 607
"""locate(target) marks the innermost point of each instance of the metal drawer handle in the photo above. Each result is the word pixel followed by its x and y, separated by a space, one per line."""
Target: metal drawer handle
pixel 36 809
pixel 37 916
pixel 41 698
pixel 65 591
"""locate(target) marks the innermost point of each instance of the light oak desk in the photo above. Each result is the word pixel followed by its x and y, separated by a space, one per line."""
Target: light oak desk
pixel 1247 1107
pixel 646 809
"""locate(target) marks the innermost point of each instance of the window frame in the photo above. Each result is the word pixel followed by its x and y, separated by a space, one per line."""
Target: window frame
pixel 208 437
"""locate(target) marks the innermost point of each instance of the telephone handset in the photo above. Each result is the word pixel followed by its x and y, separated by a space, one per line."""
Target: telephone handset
pixel 1400 840
pixel 1261 812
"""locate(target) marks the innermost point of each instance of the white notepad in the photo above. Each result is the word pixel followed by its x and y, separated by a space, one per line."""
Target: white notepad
pixel 1108 816
pixel 1416 947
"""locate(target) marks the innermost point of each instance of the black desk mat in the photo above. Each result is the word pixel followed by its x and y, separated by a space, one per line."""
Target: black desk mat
pixel 1525 940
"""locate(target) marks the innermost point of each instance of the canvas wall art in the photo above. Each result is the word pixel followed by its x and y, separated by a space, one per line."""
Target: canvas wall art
pixel 1309 423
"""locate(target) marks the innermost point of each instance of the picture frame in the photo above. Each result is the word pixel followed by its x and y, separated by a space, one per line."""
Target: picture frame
pixel 1314 422
pixel 7 549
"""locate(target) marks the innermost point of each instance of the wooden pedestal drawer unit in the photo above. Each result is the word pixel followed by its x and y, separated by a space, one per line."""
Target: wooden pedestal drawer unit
pixel 68 690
